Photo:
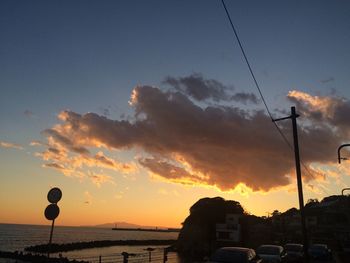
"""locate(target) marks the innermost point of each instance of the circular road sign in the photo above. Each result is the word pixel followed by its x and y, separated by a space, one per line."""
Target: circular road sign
pixel 54 195
pixel 52 211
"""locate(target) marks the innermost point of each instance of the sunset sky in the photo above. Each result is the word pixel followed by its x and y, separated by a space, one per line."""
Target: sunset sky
pixel 137 109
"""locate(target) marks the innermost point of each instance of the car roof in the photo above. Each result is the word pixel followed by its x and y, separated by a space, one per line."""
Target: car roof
pixel 243 249
pixel 276 246
pixel 293 244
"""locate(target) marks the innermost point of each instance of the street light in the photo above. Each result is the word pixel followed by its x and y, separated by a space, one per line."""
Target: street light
pixel 342 158
pixel 339 161
pixel 342 191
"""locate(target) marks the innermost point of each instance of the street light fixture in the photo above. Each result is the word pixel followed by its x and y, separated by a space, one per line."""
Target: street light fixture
pixel 341 146
pixel 342 191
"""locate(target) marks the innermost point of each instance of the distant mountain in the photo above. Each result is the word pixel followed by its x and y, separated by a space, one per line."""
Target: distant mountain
pixel 123 225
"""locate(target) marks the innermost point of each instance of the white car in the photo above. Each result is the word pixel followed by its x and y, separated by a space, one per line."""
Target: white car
pixel 270 253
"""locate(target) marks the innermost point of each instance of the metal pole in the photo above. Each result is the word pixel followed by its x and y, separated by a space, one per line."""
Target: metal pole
pixel 165 255
pixel 125 257
pixel 51 233
pixel 299 180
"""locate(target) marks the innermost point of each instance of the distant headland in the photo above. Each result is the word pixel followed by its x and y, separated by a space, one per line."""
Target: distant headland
pixel 147 229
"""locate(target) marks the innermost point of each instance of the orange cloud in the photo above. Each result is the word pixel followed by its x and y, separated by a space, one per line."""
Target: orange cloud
pixel 324 105
pixel 188 143
pixel 69 155
pixel 332 110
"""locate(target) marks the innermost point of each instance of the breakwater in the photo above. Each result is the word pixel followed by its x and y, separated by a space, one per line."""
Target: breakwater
pixel 54 248
pixel 28 257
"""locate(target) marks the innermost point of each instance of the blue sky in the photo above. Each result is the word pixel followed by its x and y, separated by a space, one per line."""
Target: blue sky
pixel 87 56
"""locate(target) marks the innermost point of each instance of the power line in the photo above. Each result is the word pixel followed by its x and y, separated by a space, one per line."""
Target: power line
pixel 257 84
pixel 252 73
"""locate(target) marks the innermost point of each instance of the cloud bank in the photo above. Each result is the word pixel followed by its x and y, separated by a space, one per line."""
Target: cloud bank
pixel 184 140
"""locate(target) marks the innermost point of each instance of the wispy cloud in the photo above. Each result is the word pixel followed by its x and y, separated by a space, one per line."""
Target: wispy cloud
pixel 28 113
pixel 10 145
pixel 330 79
pixel 88 198
pixel 36 143
pixel 99 179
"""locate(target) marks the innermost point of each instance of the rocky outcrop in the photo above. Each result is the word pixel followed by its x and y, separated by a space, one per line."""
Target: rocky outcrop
pixel 198 234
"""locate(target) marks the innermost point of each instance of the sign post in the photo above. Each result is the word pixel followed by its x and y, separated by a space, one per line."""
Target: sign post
pixel 52 210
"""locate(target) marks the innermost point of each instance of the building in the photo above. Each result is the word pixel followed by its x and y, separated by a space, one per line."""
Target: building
pixel 230 230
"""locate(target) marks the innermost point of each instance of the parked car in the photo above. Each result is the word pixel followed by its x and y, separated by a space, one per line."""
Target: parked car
pixel 271 253
pixel 294 252
pixel 235 255
pixel 320 251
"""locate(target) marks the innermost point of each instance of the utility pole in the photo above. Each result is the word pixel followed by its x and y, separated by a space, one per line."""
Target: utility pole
pixel 294 117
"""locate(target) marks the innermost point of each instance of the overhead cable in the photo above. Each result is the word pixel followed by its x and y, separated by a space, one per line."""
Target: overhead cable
pixel 257 84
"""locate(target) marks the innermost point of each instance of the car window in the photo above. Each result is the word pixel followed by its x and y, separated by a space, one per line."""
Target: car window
pixel 268 250
pixel 318 247
pixel 294 248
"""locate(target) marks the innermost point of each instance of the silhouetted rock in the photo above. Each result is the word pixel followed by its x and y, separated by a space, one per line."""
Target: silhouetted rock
pixel 198 233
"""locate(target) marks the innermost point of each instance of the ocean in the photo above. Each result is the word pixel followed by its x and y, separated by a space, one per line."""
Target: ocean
pixel 16 237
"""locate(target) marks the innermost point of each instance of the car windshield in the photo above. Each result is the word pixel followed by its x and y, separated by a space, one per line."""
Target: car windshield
pixel 268 250
pixel 228 256
pixel 294 248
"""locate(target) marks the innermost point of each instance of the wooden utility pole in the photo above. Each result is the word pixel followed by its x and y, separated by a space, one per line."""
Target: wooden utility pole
pixel 294 117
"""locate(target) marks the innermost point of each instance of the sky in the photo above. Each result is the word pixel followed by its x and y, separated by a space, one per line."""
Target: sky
pixel 137 109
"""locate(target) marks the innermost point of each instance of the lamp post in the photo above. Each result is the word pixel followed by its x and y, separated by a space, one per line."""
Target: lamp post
pixel 339 148
pixel 339 161
pixel 342 191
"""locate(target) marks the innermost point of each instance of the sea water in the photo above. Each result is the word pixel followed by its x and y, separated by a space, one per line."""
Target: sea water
pixel 17 237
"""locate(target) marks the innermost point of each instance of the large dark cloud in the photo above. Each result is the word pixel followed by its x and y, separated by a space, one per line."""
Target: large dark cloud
pixel 245 98
pixel 198 87
pixel 186 143
pixel 202 89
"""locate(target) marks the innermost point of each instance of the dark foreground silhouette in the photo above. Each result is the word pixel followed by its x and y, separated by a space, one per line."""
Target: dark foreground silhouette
pixel 328 223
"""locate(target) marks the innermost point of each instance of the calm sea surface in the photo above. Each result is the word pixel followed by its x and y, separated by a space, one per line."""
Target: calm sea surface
pixel 17 237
